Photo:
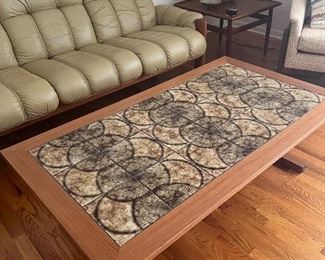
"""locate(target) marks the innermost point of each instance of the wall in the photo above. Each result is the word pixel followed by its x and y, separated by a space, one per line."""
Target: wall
pixel 280 19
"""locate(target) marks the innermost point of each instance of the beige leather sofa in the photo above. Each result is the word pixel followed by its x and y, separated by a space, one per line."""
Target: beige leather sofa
pixel 59 52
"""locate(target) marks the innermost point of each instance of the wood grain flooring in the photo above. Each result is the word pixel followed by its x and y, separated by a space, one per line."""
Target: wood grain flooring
pixel 281 215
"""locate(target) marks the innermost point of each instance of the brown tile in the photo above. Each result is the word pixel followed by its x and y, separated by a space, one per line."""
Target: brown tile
pixel 84 185
pixel 174 171
pixel 138 153
pixel 126 210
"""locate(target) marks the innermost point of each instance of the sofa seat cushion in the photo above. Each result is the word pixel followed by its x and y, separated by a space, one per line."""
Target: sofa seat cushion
pixel 12 111
pixel 127 63
pixel 152 56
pixel 312 40
pixel 36 95
pixel 195 40
pixel 176 48
pixel 100 73
pixel 69 83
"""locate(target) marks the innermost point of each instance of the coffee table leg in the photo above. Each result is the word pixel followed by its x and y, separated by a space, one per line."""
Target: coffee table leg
pixel 268 31
pixel 221 27
pixel 292 163
pixel 229 38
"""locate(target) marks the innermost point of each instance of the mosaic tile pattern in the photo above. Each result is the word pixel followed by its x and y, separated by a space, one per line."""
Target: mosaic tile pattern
pixel 130 169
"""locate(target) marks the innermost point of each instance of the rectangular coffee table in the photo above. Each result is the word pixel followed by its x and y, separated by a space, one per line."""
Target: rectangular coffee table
pixel 127 181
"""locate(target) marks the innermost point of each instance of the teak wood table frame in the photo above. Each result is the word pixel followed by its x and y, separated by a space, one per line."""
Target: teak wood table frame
pixel 80 231
pixel 246 8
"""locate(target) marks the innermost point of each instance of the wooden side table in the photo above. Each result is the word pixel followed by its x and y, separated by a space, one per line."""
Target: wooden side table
pixel 246 8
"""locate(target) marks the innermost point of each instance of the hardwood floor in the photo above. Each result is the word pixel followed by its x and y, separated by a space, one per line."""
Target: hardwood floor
pixel 281 215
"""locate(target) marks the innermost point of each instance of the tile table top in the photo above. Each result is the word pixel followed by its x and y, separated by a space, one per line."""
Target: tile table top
pixel 130 169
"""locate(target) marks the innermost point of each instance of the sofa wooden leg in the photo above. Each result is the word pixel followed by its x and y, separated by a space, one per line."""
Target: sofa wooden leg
pixel 200 61
pixel 290 163
pixel 202 27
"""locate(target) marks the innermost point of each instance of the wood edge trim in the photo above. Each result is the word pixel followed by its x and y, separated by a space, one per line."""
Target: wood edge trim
pixel 97 244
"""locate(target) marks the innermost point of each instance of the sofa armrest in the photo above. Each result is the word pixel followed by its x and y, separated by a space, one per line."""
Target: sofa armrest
pixel 171 15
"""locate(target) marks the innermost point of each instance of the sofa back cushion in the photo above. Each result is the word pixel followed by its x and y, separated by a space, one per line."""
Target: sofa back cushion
pixel 147 13
pixel 25 38
pixel 104 19
pixel 128 16
pixel 79 22
pixel 114 18
pixel 55 31
pixel 40 29
pixel 7 57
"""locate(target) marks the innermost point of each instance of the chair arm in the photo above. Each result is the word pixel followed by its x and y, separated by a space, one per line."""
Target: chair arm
pixel 297 20
pixel 172 15
pixel 298 15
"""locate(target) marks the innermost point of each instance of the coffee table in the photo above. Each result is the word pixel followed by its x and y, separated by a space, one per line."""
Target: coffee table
pixel 246 8
pixel 127 181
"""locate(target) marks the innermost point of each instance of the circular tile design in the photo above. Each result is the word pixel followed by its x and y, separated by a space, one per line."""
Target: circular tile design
pixel 130 169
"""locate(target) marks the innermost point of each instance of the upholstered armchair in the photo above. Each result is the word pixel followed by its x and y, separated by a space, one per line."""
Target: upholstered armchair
pixel 303 47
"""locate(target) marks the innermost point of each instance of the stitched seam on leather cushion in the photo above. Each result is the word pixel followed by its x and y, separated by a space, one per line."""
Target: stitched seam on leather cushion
pixel 163 15
pixel 19 100
pixel 68 25
pixel 181 17
pixel 116 71
pixel 11 46
pixel 117 18
pixel 139 15
pixel 117 46
pixel 106 58
pixel 40 35
pixel 78 71
pixel 158 45
pixel 120 79
pixel 92 23
pixel 187 41
pixel 151 43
